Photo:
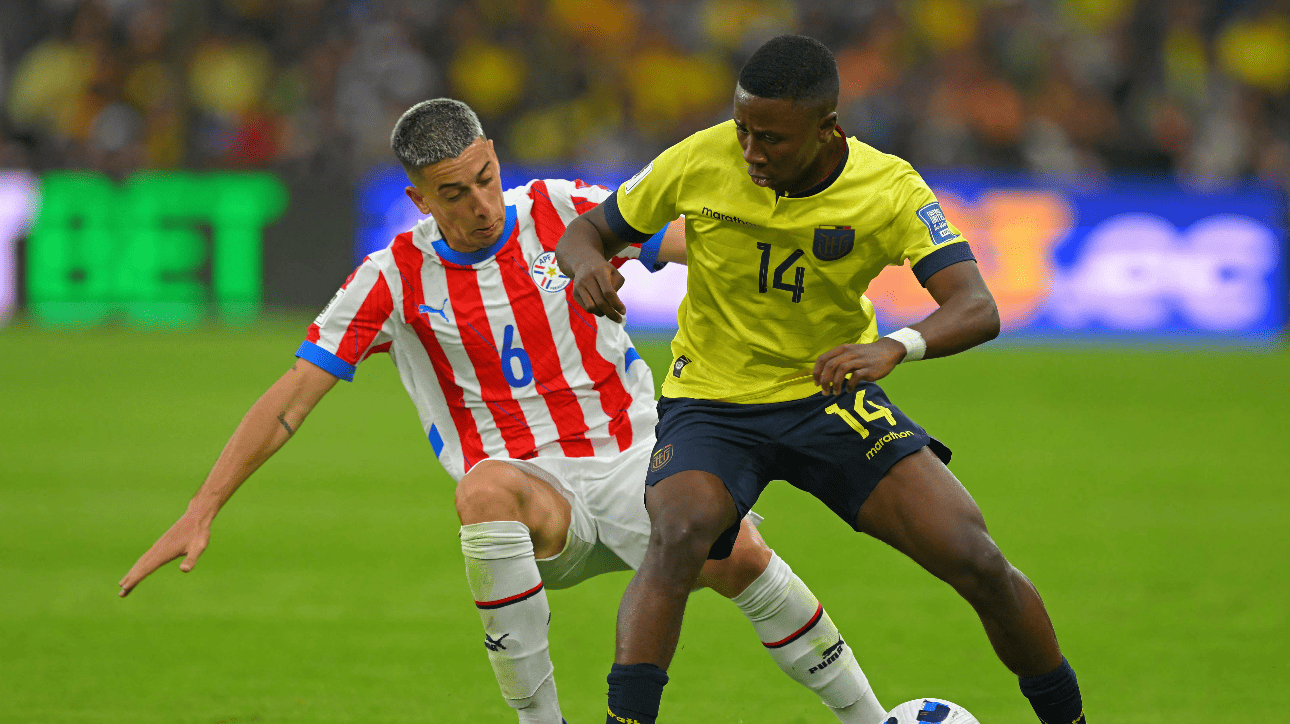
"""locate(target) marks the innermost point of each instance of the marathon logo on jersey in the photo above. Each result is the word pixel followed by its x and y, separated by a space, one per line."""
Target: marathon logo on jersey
pixel 679 365
pixel 705 211
pixel 934 219
pixel 661 457
pixel 640 176
pixel 546 273
pixel 831 654
pixel 833 242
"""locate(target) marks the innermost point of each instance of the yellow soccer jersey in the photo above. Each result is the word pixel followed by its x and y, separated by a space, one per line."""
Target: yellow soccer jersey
pixel 775 281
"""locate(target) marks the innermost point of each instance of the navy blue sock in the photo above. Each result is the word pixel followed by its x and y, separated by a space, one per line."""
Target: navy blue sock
pixel 1055 696
pixel 634 693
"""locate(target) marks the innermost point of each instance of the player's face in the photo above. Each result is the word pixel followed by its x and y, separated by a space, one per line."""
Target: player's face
pixel 464 195
pixel 781 140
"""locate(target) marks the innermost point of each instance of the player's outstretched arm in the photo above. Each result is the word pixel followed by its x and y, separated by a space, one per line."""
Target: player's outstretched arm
pixel 583 254
pixel 967 316
pixel 270 422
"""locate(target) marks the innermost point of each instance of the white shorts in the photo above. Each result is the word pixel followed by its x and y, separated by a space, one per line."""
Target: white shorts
pixel 608 525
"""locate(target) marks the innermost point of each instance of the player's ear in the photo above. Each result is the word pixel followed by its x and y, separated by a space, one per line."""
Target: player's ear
pixel 827 124
pixel 418 199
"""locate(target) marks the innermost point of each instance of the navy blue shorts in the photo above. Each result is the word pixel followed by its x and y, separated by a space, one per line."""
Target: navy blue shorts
pixel 835 448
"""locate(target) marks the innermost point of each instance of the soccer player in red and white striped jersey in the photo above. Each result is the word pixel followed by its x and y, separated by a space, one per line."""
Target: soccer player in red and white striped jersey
pixel 543 413
pixel 515 370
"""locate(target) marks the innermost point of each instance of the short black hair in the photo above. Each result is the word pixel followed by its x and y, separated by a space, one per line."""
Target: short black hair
pixel 796 67
pixel 432 131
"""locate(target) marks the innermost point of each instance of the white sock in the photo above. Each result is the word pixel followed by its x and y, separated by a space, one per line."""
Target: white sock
pixel 803 641
pixel 512 603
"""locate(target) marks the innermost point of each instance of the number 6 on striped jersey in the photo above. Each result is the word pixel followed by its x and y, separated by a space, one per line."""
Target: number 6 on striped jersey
pixel 510 355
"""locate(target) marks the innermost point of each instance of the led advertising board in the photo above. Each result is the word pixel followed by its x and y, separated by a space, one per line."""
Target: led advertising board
pixel 140 249
pixel 1120 259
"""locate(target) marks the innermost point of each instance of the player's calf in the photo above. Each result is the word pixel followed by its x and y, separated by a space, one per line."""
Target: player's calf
pixel 507 517
pixel 688 512
pixel 1019 630
pixel 802 640
pixel 793 627
pixel 512 604
pixel 920 509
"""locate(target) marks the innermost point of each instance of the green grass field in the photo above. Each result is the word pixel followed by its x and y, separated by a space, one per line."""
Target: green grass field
pixel 1144 492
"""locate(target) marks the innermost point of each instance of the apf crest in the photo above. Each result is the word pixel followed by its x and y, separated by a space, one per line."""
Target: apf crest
pixel 546 273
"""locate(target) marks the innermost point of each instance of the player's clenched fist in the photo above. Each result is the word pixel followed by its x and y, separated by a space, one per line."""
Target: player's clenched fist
pixel 596 289
pixel 188 537
pixel 863 362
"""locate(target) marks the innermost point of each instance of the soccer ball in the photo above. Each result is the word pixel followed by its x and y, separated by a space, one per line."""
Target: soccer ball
pixel 929 710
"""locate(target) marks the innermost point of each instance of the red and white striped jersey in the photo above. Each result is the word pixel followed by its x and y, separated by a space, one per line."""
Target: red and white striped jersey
pixel 499 359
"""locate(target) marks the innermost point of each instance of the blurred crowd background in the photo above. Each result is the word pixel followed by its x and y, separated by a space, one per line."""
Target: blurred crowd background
pixel 1200 90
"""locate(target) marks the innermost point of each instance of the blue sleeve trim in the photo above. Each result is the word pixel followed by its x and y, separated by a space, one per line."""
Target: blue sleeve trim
pixel 333 365
pixel 941 258
pixel 631 356
pixel 617 224
pixel 436 440
pixel 650 250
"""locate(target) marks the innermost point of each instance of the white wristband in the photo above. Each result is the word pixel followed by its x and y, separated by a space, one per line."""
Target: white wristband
pixel 915 345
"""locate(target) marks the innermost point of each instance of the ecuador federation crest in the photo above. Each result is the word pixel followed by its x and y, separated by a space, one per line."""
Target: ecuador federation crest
pixel 661 457
pixel 546 273
pixel 833 242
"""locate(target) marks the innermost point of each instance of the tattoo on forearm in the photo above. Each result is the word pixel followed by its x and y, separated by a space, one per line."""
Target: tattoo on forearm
pixel 282 418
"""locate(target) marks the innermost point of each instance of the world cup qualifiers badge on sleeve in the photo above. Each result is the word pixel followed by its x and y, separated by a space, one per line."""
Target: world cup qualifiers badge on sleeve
pixel 934 219
pixel 833 242
pixel 640 176
pixel 546 273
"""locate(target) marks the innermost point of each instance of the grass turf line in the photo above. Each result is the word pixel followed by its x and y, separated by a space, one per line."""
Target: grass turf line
pixel 1140 490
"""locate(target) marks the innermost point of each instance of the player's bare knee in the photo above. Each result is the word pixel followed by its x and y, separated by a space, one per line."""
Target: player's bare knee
pixel 747 561
pixel 984 574
pixel 684 534
pixel 729 577
pixel 492 490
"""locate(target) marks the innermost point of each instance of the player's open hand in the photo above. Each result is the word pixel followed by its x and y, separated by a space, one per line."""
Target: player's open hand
pixel 188 537
pixel 863 362
pixel 596 289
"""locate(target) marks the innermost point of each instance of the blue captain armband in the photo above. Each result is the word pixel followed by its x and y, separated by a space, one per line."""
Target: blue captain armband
pixel 330 363
pixel 650 250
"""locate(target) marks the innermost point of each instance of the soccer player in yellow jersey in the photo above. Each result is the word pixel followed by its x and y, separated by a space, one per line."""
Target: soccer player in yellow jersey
pixel 775 363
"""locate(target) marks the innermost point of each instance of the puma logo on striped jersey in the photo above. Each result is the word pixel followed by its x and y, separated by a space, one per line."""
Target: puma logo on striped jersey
pixel 426 309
